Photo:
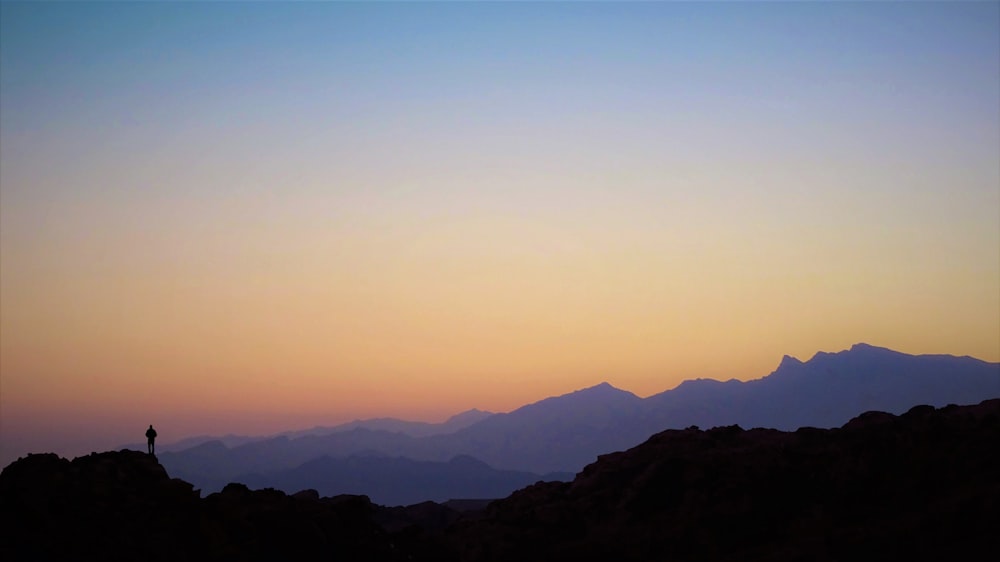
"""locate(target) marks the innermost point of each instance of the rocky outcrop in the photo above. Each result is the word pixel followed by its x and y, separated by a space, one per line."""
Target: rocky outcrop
pixel 102 506
pixel 124 506
pixel 919 486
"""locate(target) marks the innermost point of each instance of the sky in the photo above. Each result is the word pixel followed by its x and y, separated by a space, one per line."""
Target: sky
pixel 253 217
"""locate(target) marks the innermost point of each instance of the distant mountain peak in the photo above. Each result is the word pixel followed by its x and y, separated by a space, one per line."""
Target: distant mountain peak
pixel 872 349
pixel 788 365
pixel 789 361
pixel 578 401
pixel 857 351
pixel 603 390
pixel 700 382
pixel 467 418
pixel 603 386
pixel 473 413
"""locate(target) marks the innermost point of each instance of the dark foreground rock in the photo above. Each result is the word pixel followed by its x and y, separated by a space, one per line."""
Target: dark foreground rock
pixel 123 506
pixel 920 486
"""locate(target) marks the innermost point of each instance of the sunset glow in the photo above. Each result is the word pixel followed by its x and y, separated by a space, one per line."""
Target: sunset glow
pixel 254 217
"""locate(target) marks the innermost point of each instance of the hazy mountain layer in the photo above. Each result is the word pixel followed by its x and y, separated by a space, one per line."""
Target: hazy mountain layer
pixel 564 433
pixel 399 480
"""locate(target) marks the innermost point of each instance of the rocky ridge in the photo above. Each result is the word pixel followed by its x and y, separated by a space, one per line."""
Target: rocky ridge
pixel 918 486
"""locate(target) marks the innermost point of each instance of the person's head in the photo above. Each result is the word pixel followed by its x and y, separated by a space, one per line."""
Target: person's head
pixel 150 426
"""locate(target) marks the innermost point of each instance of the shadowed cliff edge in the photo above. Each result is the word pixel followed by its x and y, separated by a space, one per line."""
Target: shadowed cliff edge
pixel 919 486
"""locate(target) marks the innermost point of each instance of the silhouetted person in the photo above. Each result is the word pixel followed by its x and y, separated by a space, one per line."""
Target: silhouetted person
pixel 151 439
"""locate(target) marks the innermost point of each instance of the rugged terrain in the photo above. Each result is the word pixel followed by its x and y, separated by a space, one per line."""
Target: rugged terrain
pixel 922 485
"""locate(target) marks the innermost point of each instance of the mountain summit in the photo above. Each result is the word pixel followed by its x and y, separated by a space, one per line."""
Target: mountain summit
pixel 585 398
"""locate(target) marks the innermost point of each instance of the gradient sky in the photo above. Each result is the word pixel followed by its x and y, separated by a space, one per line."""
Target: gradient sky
pixel 251 217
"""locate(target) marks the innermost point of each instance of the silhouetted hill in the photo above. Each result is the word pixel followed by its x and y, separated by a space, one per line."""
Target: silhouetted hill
pixel 564 433
pixel 123 506
pixel 399 480
pixel 922 486
pixel 112 505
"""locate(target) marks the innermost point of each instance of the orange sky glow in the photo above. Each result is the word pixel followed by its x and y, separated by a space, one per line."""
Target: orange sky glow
pixel 336 211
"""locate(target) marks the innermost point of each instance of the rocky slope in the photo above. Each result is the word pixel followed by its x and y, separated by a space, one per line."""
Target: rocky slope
pixel 922 486
pixel 919 486
pixel 123 506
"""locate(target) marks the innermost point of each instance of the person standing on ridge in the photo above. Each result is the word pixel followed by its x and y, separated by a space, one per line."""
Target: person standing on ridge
pixel 151 439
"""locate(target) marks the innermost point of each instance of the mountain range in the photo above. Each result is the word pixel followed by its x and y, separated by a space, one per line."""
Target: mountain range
pixel 919 486
pixel 563 434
